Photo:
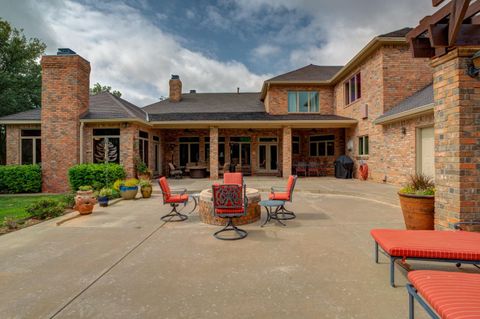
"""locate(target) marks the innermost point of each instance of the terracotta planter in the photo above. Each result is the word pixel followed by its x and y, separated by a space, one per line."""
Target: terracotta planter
pixel 418 211
pixel 128 192
pixel 146 176
pixel 84 202
pixel 146 191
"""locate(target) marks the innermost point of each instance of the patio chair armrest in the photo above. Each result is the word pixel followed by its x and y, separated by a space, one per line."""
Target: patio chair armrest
pixel 459 225
pixel 278 189
pixel 178 190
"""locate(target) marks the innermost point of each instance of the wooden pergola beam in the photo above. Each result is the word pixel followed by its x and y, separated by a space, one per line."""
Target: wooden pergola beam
pixel 436 3
pixel 459 10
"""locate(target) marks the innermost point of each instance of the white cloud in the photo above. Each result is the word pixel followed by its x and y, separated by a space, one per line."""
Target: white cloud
pixel 265 50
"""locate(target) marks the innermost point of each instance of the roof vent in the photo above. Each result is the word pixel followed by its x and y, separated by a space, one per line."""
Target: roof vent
pixel 175 77
pixel 65 51
pixel 193 91
pixel 238 90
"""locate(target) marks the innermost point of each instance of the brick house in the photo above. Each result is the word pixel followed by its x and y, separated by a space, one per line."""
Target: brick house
pixel 378 109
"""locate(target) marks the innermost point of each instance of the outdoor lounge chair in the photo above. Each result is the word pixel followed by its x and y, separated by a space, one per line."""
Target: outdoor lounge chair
pixel 173 197
pixel 314 168
pixel 459 247
pixel 233 178
pixel 446 295
pixel 301 168
pixel 174 172
pixel 229 201
pixel 286 195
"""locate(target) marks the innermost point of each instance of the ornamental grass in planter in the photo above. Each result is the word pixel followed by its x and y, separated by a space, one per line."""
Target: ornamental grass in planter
pixel 103 196
pixel 143 172
pixel 417 200
pixel 145 188
pixel 129 188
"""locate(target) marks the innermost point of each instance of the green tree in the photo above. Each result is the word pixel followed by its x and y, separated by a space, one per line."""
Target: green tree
pixel 20 74
pixel 98 88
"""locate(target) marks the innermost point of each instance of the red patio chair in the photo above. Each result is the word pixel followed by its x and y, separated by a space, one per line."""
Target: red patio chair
pixel 233 178
pixel 446 295
pixel 459 247
pixel 286 195
pixel 173 197
pixel 230 201
pixel 301 168
pixel 314 168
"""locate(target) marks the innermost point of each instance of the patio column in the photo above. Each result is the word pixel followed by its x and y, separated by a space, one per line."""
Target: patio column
pixel 214 152
pixel 287 151
pixel 457 139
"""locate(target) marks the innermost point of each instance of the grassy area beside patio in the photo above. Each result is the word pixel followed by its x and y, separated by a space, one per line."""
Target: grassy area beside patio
pixel 15 206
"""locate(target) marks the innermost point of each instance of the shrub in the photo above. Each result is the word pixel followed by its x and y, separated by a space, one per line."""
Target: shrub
pixel 131 182
pixel 96 175
pixel 46 208
pixel 20 179
pixel 419 184
pixel 69 200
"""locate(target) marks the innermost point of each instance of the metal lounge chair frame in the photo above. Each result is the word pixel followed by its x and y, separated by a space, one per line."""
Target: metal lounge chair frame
pixel 226 197
pixel 282 210
pixel 174 215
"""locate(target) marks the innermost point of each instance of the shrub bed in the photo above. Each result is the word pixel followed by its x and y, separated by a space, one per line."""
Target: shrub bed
pixel 95 175
pixel 20 179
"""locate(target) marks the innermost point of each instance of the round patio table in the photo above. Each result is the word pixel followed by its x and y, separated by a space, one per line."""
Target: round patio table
pixel 272 207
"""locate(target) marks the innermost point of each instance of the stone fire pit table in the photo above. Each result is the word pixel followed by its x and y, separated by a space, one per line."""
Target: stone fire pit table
pixel 205 203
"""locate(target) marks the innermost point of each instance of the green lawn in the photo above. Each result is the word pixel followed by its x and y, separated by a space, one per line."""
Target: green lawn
pixel 15 206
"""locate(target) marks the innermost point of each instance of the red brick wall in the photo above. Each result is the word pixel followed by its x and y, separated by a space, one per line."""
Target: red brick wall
pixel 276 100
pixel 65 97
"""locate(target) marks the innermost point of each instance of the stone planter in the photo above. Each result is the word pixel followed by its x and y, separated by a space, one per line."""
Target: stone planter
pixel 103 201
pixel 84 202
pixel 418 211
pixel 128 192
pixel 146 191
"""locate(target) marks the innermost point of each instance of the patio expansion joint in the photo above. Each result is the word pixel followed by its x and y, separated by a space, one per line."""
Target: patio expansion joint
pixel 106 271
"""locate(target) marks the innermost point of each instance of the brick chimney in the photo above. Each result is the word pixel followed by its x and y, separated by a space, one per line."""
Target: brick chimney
pixel 175 89
pixel 65 98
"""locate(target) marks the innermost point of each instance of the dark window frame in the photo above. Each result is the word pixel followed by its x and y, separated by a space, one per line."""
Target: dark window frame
pixel 363 145
pixel 319 142
pixel 33 135
pixel 353 88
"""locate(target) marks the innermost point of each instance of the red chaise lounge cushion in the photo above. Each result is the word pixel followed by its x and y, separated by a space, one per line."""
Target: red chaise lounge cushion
pixel 453 295
pixel 459 245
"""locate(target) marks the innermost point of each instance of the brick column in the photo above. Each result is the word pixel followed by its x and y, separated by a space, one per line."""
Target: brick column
pixel 65 98
pixel 13 144
pixel 457 139
pixel 214 152
pixel 287 152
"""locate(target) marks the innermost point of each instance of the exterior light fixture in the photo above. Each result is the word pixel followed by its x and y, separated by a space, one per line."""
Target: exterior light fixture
pixel 404 130
pixel 474 67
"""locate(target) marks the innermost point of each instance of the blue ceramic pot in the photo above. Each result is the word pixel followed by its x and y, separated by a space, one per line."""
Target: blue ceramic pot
pixel 103 201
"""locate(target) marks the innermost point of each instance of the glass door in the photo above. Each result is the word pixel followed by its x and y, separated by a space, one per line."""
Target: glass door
pixel 268 154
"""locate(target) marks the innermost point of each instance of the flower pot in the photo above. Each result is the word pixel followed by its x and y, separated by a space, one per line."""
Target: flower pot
pixel 128 192
pixel 146 176
pixel 418 211
pixel 84 202
pixel 103 201
pixel 146 191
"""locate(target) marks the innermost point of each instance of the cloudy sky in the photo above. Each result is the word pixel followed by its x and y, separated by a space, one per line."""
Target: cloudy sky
pixel 215 46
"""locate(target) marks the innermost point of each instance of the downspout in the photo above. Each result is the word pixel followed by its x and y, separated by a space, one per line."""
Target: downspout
pixel 81 142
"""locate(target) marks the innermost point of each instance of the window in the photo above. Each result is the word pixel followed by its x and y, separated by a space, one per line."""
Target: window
pixel 31 147
pixel 221 149
pixel 189 150
pixel 106 145
pixel 363 145
pixel 240 150
pixel 143 146
pixel 303 102
pixel 322 145
pixel 296 145
pixel 353 89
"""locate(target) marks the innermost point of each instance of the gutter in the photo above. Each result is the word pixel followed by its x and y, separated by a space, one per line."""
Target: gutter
pixel 250 123
pixel 7 122
pixel 113 120
pixel 428 108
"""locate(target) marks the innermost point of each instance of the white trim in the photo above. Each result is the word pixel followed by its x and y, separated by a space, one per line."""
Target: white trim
pixel 406 114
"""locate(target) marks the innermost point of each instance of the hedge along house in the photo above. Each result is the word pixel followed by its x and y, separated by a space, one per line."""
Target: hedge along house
pixel 376 109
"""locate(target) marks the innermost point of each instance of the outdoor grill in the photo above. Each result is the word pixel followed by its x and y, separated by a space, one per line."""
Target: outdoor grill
pixel 343 167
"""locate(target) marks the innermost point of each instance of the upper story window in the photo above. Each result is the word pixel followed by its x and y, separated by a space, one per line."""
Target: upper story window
pixel 353 89
pixel 31 147
pixel 106 145
pixel 303 102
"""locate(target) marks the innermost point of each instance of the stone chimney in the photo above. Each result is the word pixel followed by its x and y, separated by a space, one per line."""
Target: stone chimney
pixel 65 98
pixel 175 89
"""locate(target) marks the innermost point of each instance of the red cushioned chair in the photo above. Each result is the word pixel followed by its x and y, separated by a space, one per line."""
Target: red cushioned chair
pixel 230 201
pixel 173 197
pixel 286 195
pixel 446 295
pixel 460 247
pixel 233 178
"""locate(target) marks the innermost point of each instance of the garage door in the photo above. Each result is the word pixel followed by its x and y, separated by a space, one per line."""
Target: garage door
pixel 426 152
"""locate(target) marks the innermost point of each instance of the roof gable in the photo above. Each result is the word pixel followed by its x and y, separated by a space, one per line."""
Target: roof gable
pixel 107 106
pixel 309 73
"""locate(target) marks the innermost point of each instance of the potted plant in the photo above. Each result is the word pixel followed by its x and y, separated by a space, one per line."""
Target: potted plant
pixel 417 200
pixel 143 172
pixel 145 188
pixel 103 196
pixel 85 200
pixel 129 188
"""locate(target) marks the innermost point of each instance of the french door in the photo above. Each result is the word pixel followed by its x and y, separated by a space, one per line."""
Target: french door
pixel 268 155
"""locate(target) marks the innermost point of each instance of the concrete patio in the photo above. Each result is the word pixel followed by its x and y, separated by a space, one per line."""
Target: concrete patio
pixel 123 262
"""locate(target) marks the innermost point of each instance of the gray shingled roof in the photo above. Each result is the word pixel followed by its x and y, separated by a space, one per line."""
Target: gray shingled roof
pixel 107 106
pixel 31 115
pixel 242 116
pixel 209 103
pixel 308 73
pixel 400 33
pixel 418 99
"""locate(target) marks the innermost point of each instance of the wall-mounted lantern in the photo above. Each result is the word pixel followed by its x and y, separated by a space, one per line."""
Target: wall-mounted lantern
pixel 474 67
pixel 404 130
